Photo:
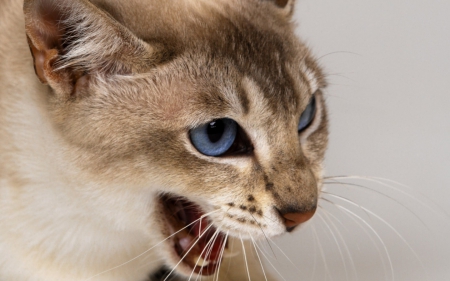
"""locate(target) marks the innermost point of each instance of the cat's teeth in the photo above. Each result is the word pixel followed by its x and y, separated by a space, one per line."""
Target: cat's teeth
pixel 185 243
pixel 201 262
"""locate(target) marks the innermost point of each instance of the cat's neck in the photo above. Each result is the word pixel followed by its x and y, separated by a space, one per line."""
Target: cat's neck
pixel 44 191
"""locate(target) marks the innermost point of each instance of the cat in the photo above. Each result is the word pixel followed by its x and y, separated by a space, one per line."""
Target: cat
pixel 144 138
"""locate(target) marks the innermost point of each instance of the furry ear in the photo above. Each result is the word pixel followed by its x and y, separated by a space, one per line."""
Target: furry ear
pixel 286 6
pixel 71 40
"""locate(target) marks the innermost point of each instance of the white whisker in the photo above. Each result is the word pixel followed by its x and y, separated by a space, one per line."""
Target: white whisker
pixel 221 254
pixel 201 254
pixel 379 180
pixel 232 250
pixel 382 194
pixel 147 263
pixel 210 247
pixel 337 52
pixel 268 260
pixel 328 214
pixel 198 239
pixel 365 231
pixel 245 257
pixel 375 233
pixel 388 225
pixel 257 254
pixel 148 250
pixel 284 254
pixel 322 253
pixel 337 244
pixel 314 237
pixel 267 239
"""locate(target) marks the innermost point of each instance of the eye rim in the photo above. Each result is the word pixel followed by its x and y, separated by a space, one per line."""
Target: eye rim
pixel 241 145
pixel 308 114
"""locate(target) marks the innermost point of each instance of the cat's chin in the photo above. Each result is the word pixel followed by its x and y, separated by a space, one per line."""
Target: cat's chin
pixel 197 245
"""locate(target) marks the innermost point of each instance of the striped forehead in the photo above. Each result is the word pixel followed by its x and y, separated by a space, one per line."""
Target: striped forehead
pixel 285 96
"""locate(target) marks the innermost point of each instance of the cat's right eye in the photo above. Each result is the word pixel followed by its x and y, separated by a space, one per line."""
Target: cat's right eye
pixel 214 138
pixel 308 114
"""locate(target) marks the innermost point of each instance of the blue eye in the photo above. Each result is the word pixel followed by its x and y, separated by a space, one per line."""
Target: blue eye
pixel 308 114
pixel 214 138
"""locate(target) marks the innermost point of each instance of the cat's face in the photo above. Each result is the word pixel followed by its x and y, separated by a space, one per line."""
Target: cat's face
pixel 223 69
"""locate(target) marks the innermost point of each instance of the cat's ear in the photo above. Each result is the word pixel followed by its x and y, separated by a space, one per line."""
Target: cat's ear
pixel 286 7
pixel 72 40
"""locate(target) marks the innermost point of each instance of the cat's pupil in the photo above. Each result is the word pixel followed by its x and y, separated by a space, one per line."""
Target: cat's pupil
pixel 215 137
pixel 215 130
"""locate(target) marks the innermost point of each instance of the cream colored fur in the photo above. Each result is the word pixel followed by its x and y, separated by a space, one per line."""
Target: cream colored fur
pixel 85 155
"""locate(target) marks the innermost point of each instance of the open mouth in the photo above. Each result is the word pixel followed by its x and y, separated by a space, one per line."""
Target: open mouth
pixel 196 242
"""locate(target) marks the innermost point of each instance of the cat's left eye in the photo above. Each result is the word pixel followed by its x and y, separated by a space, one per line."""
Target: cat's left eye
pixel 214 138
pixel 220 137
pixel 308 114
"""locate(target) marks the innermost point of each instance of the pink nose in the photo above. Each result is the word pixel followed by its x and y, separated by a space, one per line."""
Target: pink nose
pixel 294 219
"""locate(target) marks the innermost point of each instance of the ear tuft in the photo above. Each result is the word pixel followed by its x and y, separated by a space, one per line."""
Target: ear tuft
pixel 69 38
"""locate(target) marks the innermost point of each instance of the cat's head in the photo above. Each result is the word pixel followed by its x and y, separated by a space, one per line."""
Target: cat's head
pixel 213 107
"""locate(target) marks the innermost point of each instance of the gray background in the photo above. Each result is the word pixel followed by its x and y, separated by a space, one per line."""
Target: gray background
pixel 388 67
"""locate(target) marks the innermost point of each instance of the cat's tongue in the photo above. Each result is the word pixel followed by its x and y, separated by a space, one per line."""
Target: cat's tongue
pixel 197 242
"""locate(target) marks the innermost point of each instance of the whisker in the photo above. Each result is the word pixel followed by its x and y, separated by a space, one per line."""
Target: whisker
pixel 338 52
pixel 147 263
pixel 337 244
pixel 184 256
pixel 379 180
pixel 151 248
pixel 284 254
pixel 365 231
pixel 245 257
pixel 201 254
pixel 375 233
pixel 232 250
pixel 221 254
pixel 269 218
pixel 315 255
pixel 341 75
pixel 328 193
pixel 322 253
pixel 268 260
pixel 328 214
pixel 210 247
pixel 257 254
pixel 267 239
pixel 388 225
pixel 382 194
